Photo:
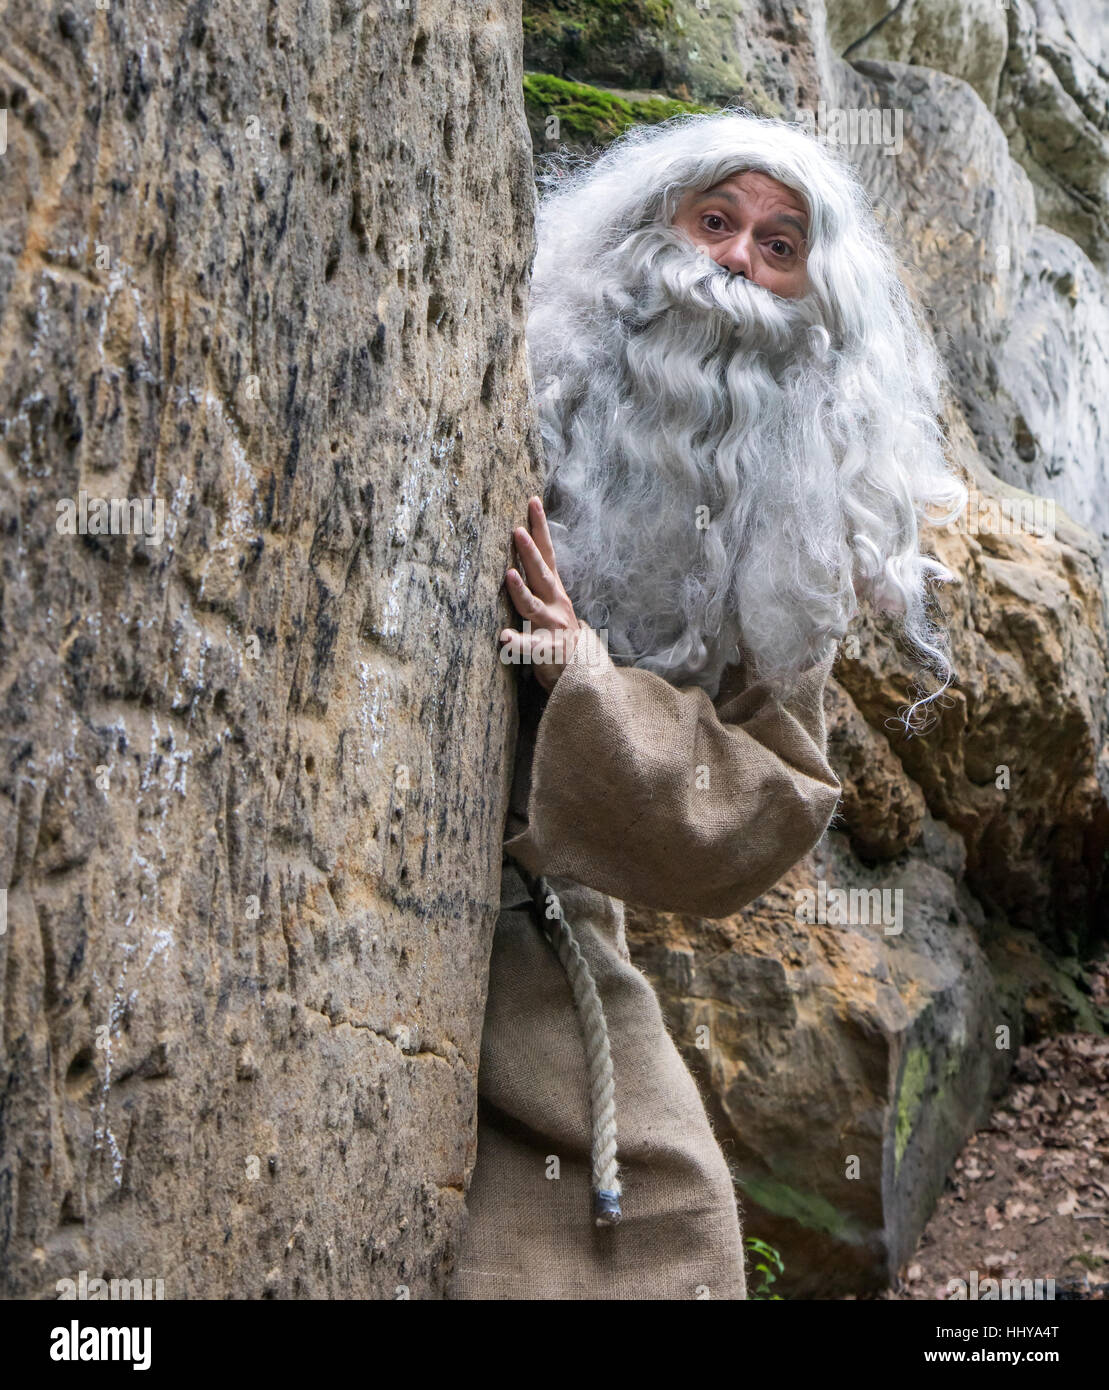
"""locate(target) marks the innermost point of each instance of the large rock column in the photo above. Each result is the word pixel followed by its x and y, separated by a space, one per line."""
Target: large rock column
pixel 262 269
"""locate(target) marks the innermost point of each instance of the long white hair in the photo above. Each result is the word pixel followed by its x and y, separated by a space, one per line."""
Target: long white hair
pixel 729 471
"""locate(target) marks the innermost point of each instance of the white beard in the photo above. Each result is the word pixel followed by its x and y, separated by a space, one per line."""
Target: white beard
pixel 807 429
pixel 694 490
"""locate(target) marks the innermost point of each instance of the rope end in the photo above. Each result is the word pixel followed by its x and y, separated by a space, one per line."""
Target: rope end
pixel 606 1208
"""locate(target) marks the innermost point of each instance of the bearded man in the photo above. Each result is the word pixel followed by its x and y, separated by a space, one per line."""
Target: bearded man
pixel 738 406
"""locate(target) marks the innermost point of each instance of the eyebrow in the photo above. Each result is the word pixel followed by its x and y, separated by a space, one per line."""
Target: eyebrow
pixel 712 194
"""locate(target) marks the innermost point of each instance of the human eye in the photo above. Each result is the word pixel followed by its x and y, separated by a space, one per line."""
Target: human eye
pixel 708 217
pixel 787 251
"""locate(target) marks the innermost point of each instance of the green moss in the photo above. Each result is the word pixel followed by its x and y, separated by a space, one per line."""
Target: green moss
pixel 808 1209
pixel 913 1081
pixel 594 21
pixel 590 115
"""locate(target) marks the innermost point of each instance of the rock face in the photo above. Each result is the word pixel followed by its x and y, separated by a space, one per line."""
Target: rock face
pixel 841 1064
pixel 844 1060
pixel 266 272
pixel 1052 101
pixel 967 39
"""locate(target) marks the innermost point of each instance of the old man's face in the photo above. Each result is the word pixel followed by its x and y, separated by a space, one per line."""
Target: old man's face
pixel 754 226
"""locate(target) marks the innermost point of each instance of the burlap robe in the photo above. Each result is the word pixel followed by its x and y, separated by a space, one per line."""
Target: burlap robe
pixel 610 802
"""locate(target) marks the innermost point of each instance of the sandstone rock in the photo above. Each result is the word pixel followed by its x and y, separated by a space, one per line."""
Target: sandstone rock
pixel 843 1062
pixel 1053 104
pixel 966 38
pixel 1021 313
pixel 881 809
pixel 761 56
pixel 267 268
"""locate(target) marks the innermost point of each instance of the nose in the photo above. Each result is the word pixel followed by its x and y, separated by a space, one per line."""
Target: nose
pixel 736 255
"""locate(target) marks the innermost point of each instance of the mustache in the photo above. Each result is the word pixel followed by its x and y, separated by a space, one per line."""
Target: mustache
pixel 661 272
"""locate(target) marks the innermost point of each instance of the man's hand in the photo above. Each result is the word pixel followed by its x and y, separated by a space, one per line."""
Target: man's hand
pixel 542 600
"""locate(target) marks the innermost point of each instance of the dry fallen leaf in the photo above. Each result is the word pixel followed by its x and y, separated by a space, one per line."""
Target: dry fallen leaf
pixel 1068 1205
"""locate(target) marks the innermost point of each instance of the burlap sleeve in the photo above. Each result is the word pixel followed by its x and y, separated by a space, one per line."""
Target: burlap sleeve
pixel 660 798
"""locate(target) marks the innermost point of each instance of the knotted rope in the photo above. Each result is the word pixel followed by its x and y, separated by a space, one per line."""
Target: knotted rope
pixel 594 1029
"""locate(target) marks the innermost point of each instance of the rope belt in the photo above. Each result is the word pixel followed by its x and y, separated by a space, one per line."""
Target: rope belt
pixel 594 1030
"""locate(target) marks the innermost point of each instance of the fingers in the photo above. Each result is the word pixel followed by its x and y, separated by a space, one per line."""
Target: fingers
pixel 544 650
pixel 525 602
pixel 537 516
pixel 536 551
pixel 540 577
pixel 540 597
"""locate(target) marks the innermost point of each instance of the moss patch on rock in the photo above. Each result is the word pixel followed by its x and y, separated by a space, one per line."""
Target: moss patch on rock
pixel 590 115
pixel 914 1079
pixel 593 21
pixel 623 42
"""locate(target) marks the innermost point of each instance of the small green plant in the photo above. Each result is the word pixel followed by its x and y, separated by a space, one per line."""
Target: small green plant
pixel 767 1257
